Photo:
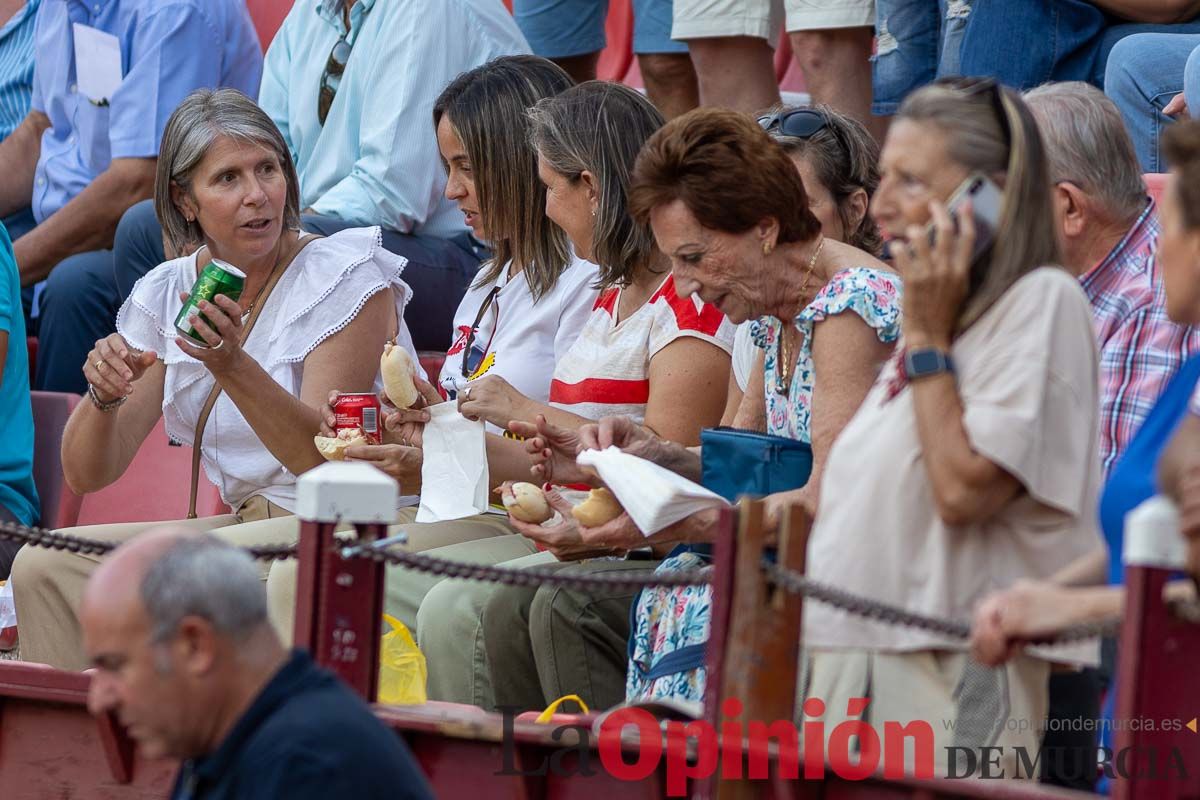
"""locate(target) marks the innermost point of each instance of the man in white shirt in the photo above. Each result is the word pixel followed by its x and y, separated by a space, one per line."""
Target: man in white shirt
pixel 351 84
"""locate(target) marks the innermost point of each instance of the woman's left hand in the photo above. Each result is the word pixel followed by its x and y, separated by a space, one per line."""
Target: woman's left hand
pixel 565 538
pixel 492 399
pixel 224 336
pixel 936 277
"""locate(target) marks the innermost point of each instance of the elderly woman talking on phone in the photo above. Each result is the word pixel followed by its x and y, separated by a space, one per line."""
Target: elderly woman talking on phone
pixel 314 314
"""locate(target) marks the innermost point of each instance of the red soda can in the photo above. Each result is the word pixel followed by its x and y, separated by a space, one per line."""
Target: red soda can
pixel 358 411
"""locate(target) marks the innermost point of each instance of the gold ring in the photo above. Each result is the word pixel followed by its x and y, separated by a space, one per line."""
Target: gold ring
pixel 99 364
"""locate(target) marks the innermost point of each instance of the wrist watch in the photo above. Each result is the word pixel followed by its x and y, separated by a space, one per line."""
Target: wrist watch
pixel 925 362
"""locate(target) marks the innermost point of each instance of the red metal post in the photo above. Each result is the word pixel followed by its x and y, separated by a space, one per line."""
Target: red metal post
pixel 1156 756
pixel 339 605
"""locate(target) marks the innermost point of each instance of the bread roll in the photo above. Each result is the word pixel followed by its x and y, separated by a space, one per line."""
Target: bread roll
pixel 527 503
pixel 601 506
pixel 396 367
pixel 334 447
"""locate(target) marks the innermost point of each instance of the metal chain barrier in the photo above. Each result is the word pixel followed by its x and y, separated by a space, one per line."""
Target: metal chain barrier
pixel 857 605
pixel 531 576
pixel 788 580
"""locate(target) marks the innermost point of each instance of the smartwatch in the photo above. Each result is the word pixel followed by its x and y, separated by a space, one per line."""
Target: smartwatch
pixel 925 362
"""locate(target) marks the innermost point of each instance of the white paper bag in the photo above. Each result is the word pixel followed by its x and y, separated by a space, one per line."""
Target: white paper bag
pixel 8 609
pixel 454 474
pixel 654 496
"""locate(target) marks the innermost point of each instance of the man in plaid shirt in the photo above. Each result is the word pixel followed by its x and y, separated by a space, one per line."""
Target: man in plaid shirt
pixel 1109 234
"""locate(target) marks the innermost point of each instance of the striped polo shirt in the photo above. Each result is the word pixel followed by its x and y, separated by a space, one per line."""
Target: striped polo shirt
pixel 16 67
pixel 607 371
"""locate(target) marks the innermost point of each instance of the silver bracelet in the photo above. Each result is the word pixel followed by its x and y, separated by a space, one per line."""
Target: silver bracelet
pixel 100 405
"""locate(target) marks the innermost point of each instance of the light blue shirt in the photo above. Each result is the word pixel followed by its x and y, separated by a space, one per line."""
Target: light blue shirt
pixel 169 48
pixel 17 492
pixel 16 67
pixel 375 161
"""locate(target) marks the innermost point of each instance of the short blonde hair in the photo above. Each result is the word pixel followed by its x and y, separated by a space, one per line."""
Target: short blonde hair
pixel 202 117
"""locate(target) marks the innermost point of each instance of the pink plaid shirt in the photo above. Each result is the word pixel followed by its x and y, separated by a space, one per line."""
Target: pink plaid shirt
pixel 1140 348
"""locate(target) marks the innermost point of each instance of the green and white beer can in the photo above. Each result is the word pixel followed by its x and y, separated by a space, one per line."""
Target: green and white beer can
pixel 216 278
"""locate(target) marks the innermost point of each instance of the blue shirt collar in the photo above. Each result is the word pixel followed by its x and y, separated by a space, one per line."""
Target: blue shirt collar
pixel 331 11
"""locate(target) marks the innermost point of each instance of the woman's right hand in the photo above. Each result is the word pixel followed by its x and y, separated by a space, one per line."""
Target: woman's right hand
pixel 625 435
pixel 112 367
pixel 406 426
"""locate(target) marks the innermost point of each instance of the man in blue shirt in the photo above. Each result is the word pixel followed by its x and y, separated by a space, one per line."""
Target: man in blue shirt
pixel 17 21
pixel 18 497
pixel 107 75
pixel 176 627
pixel 351 85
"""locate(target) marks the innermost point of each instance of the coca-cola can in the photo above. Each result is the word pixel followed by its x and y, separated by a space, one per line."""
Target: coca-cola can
pixel 358 411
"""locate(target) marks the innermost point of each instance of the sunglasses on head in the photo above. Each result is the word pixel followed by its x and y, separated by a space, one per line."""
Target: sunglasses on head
pixel 801 123
pixel 335 65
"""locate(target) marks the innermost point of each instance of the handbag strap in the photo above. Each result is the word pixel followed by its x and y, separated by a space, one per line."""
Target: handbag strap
pixel 211 400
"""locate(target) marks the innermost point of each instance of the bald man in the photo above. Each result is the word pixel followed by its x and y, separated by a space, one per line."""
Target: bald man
pixel 176 627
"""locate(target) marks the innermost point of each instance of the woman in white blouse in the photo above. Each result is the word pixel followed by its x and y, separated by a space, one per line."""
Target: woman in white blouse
pixel 225 178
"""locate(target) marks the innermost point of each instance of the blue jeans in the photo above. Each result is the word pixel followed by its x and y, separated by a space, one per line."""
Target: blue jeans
pixel 438 270
pixel 562 28
pixel 78 307
pixel 1021 43
pixel 1144 72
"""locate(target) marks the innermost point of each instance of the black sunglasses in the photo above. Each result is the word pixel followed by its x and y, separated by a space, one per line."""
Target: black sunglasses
pixel 468 368
pixel 801 123
pixel 335 65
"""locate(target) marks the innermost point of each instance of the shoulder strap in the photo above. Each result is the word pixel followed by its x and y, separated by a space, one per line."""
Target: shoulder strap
pixel 210 401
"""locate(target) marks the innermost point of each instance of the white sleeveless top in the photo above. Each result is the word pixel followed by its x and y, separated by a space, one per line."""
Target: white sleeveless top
pixel 321 292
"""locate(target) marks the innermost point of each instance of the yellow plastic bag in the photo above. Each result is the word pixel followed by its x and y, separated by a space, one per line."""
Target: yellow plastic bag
pixel 552 709
pixel 402 671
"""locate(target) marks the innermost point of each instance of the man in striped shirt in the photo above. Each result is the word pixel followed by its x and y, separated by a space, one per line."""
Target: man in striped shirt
pixel 17 19
pixel 1109 236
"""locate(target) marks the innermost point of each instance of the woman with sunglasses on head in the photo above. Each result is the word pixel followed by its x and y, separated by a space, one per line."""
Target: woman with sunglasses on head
pixel 732 209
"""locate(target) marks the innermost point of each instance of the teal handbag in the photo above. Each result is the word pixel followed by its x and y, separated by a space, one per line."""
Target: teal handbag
pixel 736 462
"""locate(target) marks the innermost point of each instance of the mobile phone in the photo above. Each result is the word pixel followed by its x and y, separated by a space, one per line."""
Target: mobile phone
pixel 987 201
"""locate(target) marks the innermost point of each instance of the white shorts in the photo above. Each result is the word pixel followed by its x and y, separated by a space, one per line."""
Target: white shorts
pixel 706 19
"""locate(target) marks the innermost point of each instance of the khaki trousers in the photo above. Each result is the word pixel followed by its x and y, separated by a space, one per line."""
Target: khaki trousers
pixel 404 588
pixel 549 641
pixel 48 584
pixel 967 705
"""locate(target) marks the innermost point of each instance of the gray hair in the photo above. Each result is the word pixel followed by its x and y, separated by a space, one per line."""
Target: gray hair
pixel 203 576
pixel 202 117
pixel 1087 144
pixel 600 127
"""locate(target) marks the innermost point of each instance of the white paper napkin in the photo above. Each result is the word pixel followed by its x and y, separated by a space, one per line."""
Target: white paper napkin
pixel 454 473
pixel 654 496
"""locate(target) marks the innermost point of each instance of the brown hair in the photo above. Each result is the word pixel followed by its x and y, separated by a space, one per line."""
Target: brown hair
pixel 845 158
pixel 486 107
pixel 599 127
pixel 1181 146
pixel 728 172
